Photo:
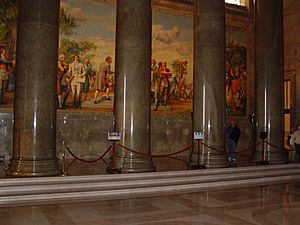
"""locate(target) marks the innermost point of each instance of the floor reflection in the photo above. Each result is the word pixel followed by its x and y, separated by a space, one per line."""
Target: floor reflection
pixel 268 205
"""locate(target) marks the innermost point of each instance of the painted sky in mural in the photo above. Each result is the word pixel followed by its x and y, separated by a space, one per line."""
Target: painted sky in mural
pixel 96 24
pixel 173 40
pixel 91 34
pixel 172 34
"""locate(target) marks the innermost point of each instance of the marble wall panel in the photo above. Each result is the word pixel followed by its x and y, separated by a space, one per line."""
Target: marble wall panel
pixel 86 133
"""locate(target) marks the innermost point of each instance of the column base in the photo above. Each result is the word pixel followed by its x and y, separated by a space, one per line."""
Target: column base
pixel 208 160
pixel 134 164
pixel 32 168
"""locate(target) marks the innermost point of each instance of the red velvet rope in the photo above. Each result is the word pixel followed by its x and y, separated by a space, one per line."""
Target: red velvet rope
pixel 154 155
pixel 88 161
pixel 162 155
pixel 273 146
pixel 227 153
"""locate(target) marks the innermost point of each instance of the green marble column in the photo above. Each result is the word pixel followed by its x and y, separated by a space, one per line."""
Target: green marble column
pixel 209 81
pixel 132 92
pixel 269 80
pixel 34 140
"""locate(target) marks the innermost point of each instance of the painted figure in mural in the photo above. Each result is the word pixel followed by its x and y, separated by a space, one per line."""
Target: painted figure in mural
pixel 164 74
pixel 174 87
pixel 4 73
pixel 104 79
pixel 92 79
pixel 4 77
pixel 243 91
pixel 62 82
pixel 3 56
pixel 236 87
pixel 12 77
pixel 233 134
pixel 179 88
pixel 88 72
pixel 229 90
pixel 77 76
pixel 154 84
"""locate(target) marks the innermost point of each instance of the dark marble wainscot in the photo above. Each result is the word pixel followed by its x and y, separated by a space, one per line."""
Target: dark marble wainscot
pixel 6 132
pixel 86 133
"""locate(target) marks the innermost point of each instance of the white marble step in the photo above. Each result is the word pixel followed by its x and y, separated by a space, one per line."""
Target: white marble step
pixel 141 183
pixel 88 188
pixel 140 192
pixel 136 176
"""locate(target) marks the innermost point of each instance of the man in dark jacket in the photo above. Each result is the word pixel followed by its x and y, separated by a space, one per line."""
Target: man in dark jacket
pixel 233 134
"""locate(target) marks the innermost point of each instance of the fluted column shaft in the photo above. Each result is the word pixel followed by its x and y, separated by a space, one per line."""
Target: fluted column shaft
pixel 34 143
pixel 209 81
pixel 269 78
pixel 132 96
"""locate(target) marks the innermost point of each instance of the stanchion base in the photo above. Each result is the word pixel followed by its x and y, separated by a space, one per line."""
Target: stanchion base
pixel 110 170
pixel 263 163
pixel 63 174
pixel 197 167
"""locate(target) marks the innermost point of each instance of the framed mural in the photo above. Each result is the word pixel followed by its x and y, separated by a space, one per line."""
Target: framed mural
pixel 87 31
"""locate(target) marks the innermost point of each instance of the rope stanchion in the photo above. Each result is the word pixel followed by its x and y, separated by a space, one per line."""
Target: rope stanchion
pixel 112 169
pixel 63 166
pixel 199 165
pixel 155 155
pixel 88 161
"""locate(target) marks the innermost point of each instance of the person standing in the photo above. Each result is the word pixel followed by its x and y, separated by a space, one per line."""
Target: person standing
pixel 295 140
pixel 102 78
pixel 233 134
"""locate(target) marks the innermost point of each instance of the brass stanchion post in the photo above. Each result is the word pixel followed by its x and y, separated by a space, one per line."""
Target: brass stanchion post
pixel 63 165
pixel 263 136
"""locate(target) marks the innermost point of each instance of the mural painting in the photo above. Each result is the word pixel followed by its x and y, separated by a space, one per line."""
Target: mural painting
pixel 236 73
pixel 8 29
pixel 172 51
pixel 85 78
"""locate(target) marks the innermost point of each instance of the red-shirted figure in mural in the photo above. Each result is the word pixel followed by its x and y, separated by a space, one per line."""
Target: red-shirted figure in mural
pixel 164 74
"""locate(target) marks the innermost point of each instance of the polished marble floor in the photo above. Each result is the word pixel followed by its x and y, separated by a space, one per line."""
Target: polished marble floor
pixel 269 205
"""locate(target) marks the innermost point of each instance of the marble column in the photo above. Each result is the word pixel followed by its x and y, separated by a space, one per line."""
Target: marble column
pixel 34 131
pixel 132 92
pixel 209 82
pixel 269 79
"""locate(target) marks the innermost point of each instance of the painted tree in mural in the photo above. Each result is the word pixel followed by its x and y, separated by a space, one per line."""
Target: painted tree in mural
pixel 67 23
pixel 236 53
pixel 83 48
pixel 8 25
